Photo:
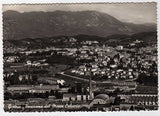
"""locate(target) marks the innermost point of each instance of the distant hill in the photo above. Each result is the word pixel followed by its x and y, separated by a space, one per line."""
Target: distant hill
pixel 148 38
pixel 48 24
pixel 117 39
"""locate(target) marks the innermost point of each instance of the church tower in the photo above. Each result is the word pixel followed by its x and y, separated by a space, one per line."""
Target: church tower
pixel 90 88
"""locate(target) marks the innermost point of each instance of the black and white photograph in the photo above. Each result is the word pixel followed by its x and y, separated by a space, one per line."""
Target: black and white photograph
pixel 80 57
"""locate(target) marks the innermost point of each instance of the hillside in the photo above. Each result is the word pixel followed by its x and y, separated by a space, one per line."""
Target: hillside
pixel 48 24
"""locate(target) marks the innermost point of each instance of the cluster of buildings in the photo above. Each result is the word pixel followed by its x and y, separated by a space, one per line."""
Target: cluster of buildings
pixel 36 63
pixel 107 73
pixel 11 59
pixel 101 102
pixel 111 68
pixel 31 88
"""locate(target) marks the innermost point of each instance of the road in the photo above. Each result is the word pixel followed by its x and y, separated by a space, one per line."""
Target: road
pixel 87 80
pixel 78 78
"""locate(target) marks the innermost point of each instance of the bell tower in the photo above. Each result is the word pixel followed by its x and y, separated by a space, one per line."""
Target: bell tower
pixel 88 75
pixel 90 88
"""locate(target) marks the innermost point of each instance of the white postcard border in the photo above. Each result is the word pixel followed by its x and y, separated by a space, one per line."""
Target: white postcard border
pixel 121 113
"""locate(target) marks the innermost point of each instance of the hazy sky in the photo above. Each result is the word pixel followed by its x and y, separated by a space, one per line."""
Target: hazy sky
pixel 126 12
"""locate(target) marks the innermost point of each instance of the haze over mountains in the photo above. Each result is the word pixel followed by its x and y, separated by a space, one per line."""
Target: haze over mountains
pixel 47 24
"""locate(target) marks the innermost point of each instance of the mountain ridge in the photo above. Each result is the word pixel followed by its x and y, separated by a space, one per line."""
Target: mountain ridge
pixel 46 24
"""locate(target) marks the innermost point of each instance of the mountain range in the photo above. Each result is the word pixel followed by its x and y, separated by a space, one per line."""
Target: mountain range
pixel 17 26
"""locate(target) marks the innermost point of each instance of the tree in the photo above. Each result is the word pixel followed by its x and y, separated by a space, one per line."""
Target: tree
pixel 117 101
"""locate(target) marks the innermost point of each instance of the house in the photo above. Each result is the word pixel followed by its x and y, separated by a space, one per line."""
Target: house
pixel 69 97
pixel 144 99
pixel 43 88
pixel 119 47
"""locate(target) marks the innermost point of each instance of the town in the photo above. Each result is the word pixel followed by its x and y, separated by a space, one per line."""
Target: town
pixel 87 75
